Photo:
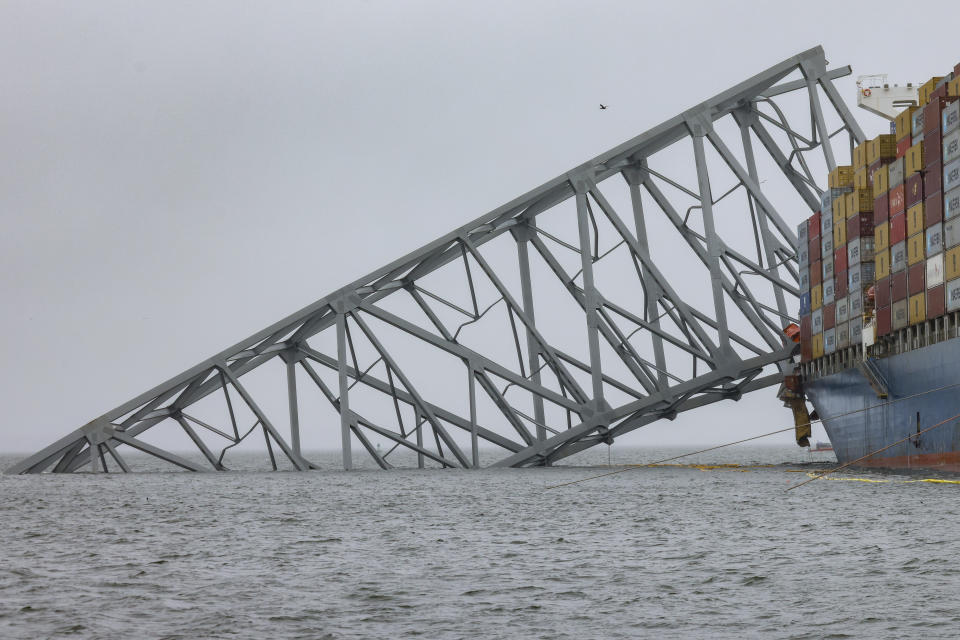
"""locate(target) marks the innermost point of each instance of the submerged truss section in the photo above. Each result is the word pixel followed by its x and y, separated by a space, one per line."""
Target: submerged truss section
pixel 651 280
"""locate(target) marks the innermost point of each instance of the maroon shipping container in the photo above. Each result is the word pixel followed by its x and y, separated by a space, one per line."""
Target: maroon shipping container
pixel 840 287
pixel 898 287
pixel 940 93
pixel 933 177
pixel 931 115
pixel 897 200
pixel 917 278
pixel 898 229
pixel 881 208
pixel 883 321
pixel 815 249
pixel 816 272
pixel 932 151
pixel 840 260
pixel 813 224
pixel 829 316
pixel 806 327
pixel 933 209
pixel 914 191
pixel 956 70
pixel 903 144
pixel 806 351
pixel 881 292
pixel 859 225
pixel 936 303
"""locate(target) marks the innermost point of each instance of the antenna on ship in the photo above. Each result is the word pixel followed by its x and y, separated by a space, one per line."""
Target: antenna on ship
pixel 877 96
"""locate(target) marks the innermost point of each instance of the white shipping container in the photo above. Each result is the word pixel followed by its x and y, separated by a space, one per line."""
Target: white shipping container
pixel 855 330
pixel 827 267
pixel 916 127
pixel 899 314
pixel 826 223
pixel 951 233
pixel 830 340
pixel 842 310
pixel 895 172
pixel 843 336
pixel 953 294
pixel 826 244
pixel 803 255
pixel 935 271
pixel 804 279
pixel 828 291
pixel 951 203
pixel 950 117
pixel 935 239
pixel 816 320
pixel 951 146
pixel 951 175
pixel 855 304
pixel 898 257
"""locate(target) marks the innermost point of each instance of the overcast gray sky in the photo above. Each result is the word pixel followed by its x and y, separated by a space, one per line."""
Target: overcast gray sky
pixel 175 176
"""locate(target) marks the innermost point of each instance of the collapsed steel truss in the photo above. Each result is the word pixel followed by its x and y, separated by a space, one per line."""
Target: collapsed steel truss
pixel 649 352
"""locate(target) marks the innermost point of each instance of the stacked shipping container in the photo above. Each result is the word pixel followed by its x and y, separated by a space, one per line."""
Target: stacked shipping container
pixel 886 241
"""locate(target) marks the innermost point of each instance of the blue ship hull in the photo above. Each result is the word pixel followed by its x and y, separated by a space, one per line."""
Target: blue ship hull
pixel 858 422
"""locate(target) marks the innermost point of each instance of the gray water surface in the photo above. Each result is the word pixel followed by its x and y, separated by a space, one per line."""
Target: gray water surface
pixel 651 552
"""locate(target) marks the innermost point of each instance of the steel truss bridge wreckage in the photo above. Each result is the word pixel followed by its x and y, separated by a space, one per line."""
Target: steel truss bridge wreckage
pixel 612 296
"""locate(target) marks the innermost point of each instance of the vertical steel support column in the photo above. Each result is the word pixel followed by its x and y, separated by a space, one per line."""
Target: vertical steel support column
pixel 294 411
pixel 651 287
pixel 94 440
pixel 522 235
pixel 771 256
pixel 344 391
pixel 474 439
pixel 419 440
pixel 591 298
pixel 817 110
pixel 697 133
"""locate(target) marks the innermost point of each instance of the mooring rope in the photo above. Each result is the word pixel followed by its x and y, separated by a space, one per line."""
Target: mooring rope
pixel 770 433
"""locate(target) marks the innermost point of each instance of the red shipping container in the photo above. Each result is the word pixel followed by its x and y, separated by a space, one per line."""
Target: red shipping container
pixel 871 168
pixel 898 229
pixel 883 321
pixel 840 287
pixel 806 351
pixel 897 200
pixel 914 192
pixel 931 115
pixel 936 303
pixel 881 208
pixel 814 225
pixel 829 316
pixel 940 93
pixel 933 209
pixel 806 327
pixel 859 225
pixel 933 177
pixel 816 273
pixel 956 70
pixel 815 250
pixel 881 292
pixel 916 278
pixel 840 260
pixel 902 145
pixel 898 287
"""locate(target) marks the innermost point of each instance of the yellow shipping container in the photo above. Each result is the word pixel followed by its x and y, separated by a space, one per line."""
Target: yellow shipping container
pixel 881 181
pixel 915 219
pixel 861 179
pixel 951 264
pixel 918 308
pixel 914 159
pixel 881 236
pixel 927 88
pixel 818 345
pixel 883 147
pixel 905 122
pixel 860 156
pixel 881 261
pixel 840 177
pixel 816 297
pixel 839 232
pixel 859 201
pixel 953 87
pixel 916 246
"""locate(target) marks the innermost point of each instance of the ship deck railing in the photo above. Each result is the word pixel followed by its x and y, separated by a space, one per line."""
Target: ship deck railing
pixel 918 336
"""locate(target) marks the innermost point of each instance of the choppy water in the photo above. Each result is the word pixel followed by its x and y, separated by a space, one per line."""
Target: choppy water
pixel 653 552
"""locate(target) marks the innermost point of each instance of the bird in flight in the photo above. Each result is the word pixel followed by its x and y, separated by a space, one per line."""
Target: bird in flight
pixel 603 106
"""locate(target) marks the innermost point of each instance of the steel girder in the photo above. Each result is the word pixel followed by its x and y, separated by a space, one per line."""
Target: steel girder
pixel 650 349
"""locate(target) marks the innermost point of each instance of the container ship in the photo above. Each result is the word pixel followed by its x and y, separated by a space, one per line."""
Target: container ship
pixel 880 293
